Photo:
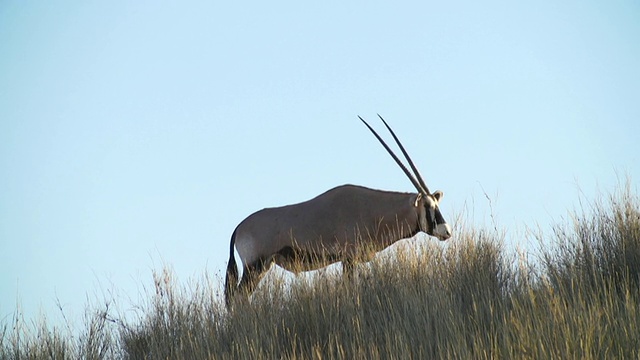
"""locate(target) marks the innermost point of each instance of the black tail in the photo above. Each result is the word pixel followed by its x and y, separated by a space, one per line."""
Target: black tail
pixel 231 281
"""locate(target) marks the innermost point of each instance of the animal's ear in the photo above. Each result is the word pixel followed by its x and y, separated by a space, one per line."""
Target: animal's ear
pixel 438 195
pixel 419 200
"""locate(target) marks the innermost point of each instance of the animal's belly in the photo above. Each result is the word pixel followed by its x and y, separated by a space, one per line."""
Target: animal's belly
pixel 296 260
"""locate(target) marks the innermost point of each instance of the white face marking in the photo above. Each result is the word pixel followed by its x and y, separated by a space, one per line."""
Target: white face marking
pixel 442 231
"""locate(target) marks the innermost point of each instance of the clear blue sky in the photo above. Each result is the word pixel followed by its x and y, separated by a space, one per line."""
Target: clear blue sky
pixel 137 134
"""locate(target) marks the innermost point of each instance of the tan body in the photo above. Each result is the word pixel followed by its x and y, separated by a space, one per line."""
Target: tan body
pixel 328 227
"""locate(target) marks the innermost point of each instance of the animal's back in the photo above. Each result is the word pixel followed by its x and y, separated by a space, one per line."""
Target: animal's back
pixel 327 221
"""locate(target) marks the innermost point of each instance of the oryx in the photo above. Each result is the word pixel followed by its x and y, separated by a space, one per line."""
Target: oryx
pixel 348 223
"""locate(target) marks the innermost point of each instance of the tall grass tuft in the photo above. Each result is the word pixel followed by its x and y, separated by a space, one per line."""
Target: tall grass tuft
pixel 602 249
pixel 468 298
pixel 591 284
pixel 36 340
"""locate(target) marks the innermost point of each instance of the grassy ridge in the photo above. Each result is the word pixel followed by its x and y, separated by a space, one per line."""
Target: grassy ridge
pixel 469 299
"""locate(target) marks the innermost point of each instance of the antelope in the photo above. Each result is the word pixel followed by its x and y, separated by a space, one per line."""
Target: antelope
pixel 348 223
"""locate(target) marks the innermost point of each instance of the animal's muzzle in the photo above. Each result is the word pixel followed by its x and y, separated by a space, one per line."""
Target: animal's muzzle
pixel 442 231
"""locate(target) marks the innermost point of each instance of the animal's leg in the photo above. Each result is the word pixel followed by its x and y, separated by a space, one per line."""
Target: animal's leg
pixel 349 269
pixel 251 276
pixel 348 266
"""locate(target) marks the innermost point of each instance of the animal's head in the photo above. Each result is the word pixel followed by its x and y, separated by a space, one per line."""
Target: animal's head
pixel 427 203
pixel 429 216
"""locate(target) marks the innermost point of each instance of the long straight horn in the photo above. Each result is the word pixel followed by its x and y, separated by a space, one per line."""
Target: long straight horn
pixel 404 168
pixel 406 155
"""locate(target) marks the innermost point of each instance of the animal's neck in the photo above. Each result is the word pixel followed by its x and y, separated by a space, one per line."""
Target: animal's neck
pixel 405 223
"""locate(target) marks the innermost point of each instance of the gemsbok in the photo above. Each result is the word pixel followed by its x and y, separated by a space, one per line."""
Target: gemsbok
pixel 348 223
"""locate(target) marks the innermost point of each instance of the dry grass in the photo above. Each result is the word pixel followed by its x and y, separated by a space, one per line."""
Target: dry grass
pixel 469 299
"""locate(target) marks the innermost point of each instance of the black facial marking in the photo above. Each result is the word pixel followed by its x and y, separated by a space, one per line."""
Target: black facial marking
pixel 430 221
pixel 439 219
